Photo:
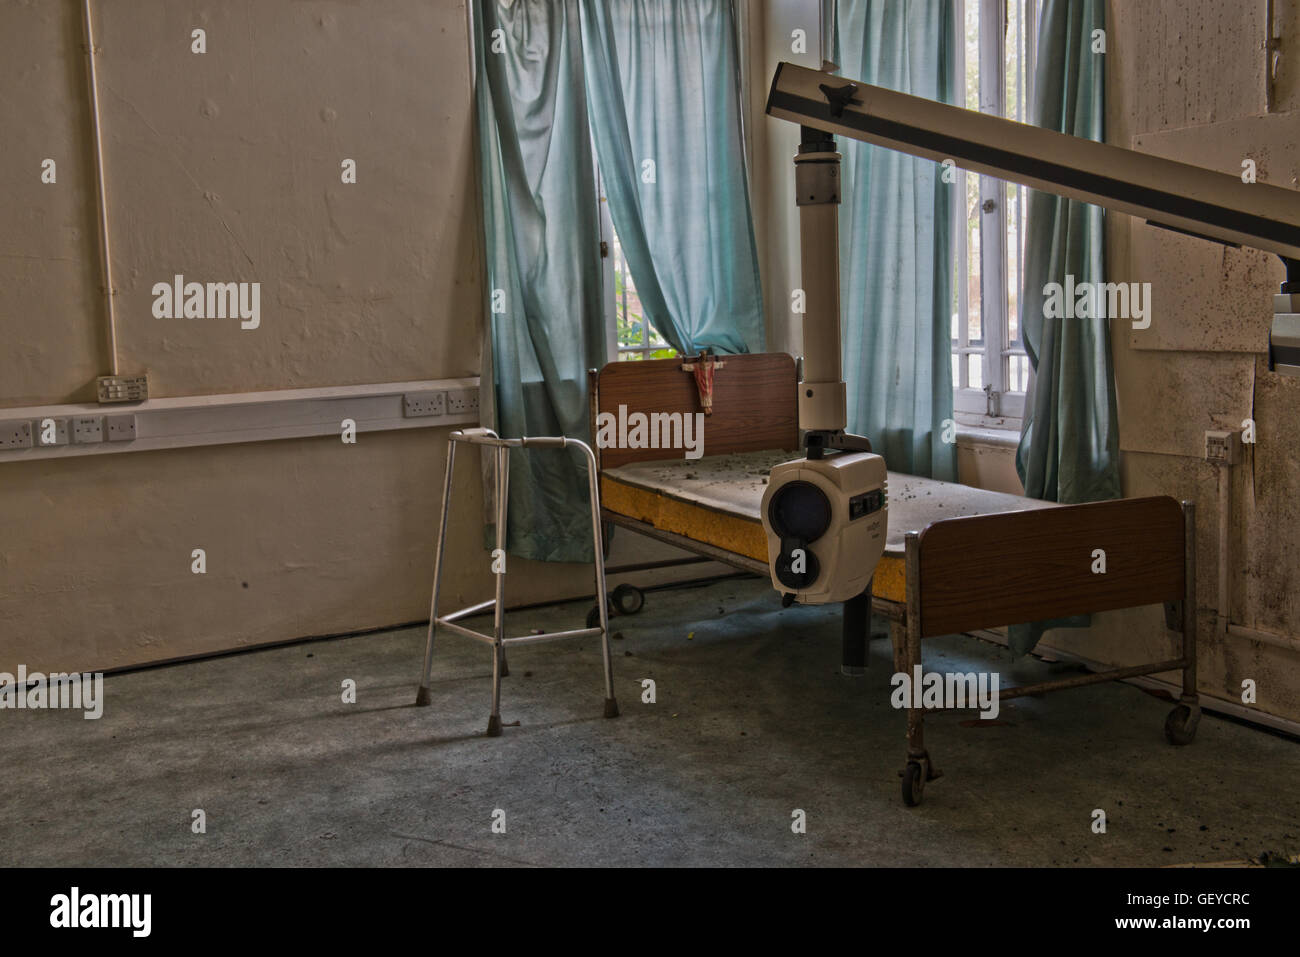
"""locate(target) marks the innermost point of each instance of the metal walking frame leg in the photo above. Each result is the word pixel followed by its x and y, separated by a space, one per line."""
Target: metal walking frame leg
pixel 598 543
pixel 499 607
pixel 422 696
pixel 498 640
pixel 503 501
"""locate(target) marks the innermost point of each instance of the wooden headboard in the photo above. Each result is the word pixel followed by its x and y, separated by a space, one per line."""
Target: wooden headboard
pixel 755 402
pixel 988 570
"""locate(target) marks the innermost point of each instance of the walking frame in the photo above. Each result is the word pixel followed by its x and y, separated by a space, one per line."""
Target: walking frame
pixel 498 639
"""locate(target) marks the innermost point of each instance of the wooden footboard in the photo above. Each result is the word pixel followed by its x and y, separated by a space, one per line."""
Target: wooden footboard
pixel 988 570
pixel 985 570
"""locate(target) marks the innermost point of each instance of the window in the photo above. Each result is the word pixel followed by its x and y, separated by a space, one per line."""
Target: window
pixel 628 333
pixel 989 367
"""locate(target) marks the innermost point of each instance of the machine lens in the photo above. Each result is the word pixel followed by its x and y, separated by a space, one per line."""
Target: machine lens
pixel 800 510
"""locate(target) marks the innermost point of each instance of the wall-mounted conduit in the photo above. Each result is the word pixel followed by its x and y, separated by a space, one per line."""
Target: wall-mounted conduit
pixel 1272 56
pixel 106 261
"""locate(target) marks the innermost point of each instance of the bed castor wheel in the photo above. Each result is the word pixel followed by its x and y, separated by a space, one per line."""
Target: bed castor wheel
pixel 913 784
pixel 623 600
pixel 1180 725
pixel 628 599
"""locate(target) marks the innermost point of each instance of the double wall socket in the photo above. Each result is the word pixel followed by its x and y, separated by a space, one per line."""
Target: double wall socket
pixel 417 404
pixel 51 432
pixel 16 434
pixel 451 402
pixel 462 401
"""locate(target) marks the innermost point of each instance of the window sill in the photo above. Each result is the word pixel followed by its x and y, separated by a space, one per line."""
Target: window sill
pixel 984 436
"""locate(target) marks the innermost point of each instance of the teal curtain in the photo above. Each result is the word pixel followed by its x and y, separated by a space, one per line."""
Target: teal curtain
pixel 662 83
pixel 663 91
pixel 1069 449
pixel 544 292
pixel 896 240
pixel 1069 446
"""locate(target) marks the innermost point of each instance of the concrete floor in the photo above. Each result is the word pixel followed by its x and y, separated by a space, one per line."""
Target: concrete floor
pixel 752 721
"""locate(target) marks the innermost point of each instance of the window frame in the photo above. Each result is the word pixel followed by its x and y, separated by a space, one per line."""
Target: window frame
pixel 993 405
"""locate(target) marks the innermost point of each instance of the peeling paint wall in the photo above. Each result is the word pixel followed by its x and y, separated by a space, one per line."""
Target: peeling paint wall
pixel 225 166
pixel 1186 81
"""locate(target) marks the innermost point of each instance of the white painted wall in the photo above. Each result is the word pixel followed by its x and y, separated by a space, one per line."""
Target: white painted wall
pixel 225 166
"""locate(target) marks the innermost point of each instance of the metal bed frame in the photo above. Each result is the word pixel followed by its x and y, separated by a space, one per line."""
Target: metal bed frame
pixel 955 571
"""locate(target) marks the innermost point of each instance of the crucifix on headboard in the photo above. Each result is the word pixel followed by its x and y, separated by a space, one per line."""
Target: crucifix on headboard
pixel 704 366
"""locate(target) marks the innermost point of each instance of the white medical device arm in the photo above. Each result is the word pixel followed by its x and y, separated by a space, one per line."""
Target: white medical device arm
pixel 1178 196
pixel 1203 202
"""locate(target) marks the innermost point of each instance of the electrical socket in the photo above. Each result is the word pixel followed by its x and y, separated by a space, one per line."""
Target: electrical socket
pixel 53 430
pixel 417 404
pixel 88 429
pixel 121 428
pixel 462 401
pixel 16 434
pixel 1222 446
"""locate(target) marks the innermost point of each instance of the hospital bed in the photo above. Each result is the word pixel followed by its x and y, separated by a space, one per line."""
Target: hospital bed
pixel 957 559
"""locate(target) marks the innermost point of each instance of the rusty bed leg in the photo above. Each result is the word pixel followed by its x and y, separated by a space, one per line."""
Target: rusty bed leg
pixel 898 638
pixel 1180 725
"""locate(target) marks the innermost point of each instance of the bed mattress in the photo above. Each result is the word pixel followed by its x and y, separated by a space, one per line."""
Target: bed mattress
pixel 715 500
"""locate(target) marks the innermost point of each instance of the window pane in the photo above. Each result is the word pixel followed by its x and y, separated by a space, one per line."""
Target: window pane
pixel 636 336
pixel 1013 261
pixel 1019 372
pixel 972 54
pixel 1014 58
pixel 986 347
pixel 974 325
pixel 627 305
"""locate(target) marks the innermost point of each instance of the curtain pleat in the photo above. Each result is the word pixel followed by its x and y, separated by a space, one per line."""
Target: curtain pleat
pixel 896 241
